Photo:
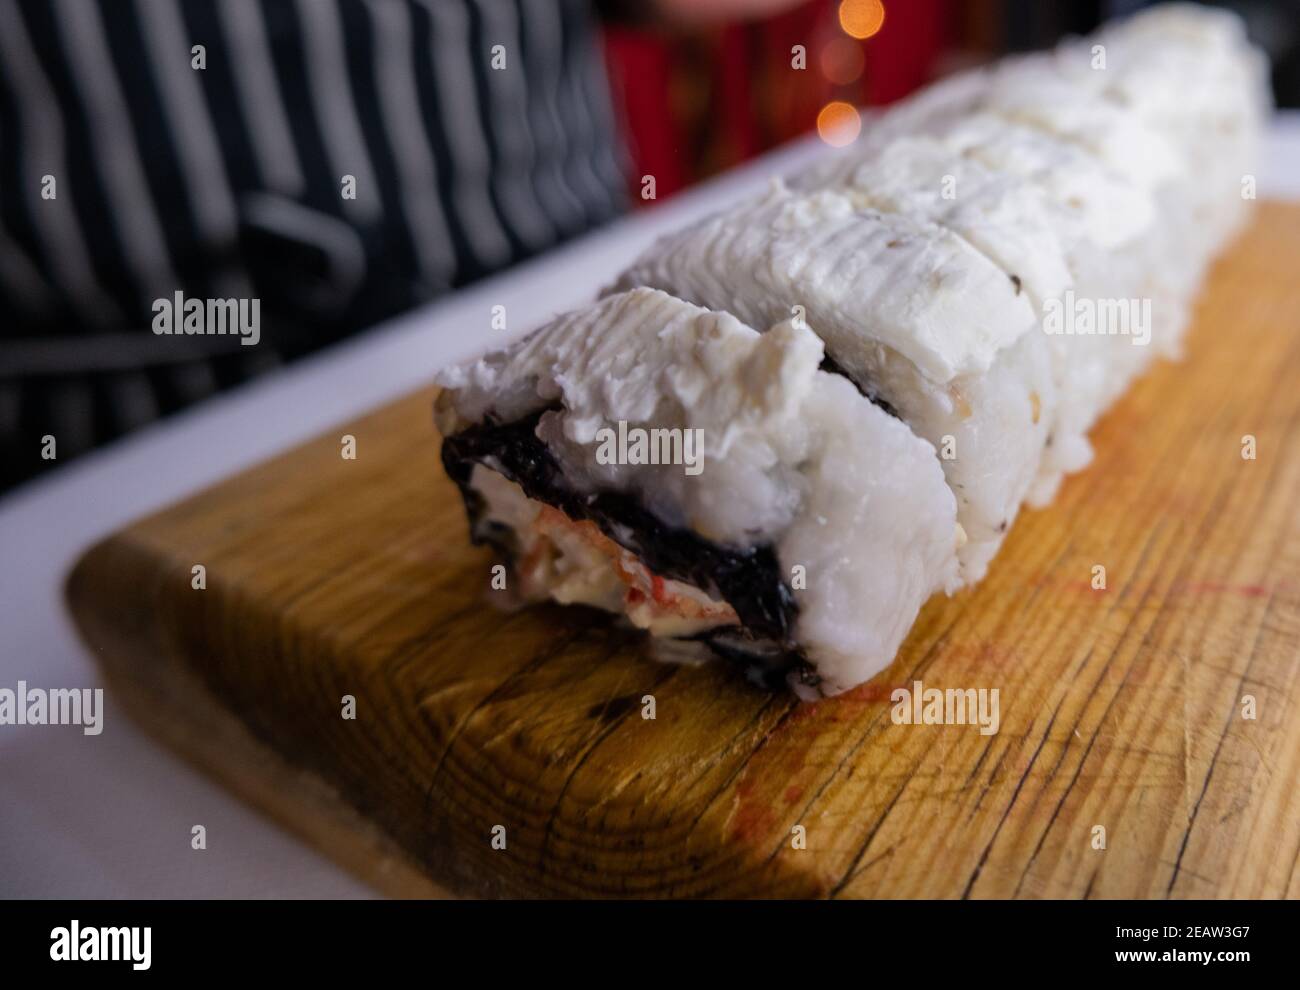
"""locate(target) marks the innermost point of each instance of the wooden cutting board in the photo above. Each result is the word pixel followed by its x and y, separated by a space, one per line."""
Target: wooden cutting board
pixel 1121 709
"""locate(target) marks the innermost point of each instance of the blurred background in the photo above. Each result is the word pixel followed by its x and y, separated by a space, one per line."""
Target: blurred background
pixel 694 103
pixel 340 161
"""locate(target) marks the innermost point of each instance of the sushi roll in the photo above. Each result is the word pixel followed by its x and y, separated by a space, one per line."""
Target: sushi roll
pixel 798 534
pixel 856 370
pixel 920 320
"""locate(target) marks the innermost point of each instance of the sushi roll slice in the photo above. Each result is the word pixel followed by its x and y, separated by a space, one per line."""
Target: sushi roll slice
pixel 920 320
pixel 1052 217
pixel 798 532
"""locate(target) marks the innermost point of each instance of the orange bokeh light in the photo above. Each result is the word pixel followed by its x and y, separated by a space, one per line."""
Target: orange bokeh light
pixel 862 18
pixel 838 124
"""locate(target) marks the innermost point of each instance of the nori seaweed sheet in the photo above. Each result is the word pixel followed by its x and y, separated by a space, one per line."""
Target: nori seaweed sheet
pixel 748 579
pixel 831 366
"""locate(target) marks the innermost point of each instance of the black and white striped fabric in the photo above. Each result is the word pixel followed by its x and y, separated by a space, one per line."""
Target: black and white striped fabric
pixel 474 132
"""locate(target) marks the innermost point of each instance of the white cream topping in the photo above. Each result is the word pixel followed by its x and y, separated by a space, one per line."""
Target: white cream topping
pixel 866 279
pixel 1011 222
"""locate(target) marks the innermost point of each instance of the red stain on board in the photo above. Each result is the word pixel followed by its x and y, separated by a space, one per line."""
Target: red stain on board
pixel 753 818
pixel 783 756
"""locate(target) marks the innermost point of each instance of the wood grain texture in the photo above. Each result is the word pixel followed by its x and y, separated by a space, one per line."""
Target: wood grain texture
pixel 1119 708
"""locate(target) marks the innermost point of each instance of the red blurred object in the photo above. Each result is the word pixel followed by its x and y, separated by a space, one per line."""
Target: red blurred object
pixel 902 57
pixel 695 104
